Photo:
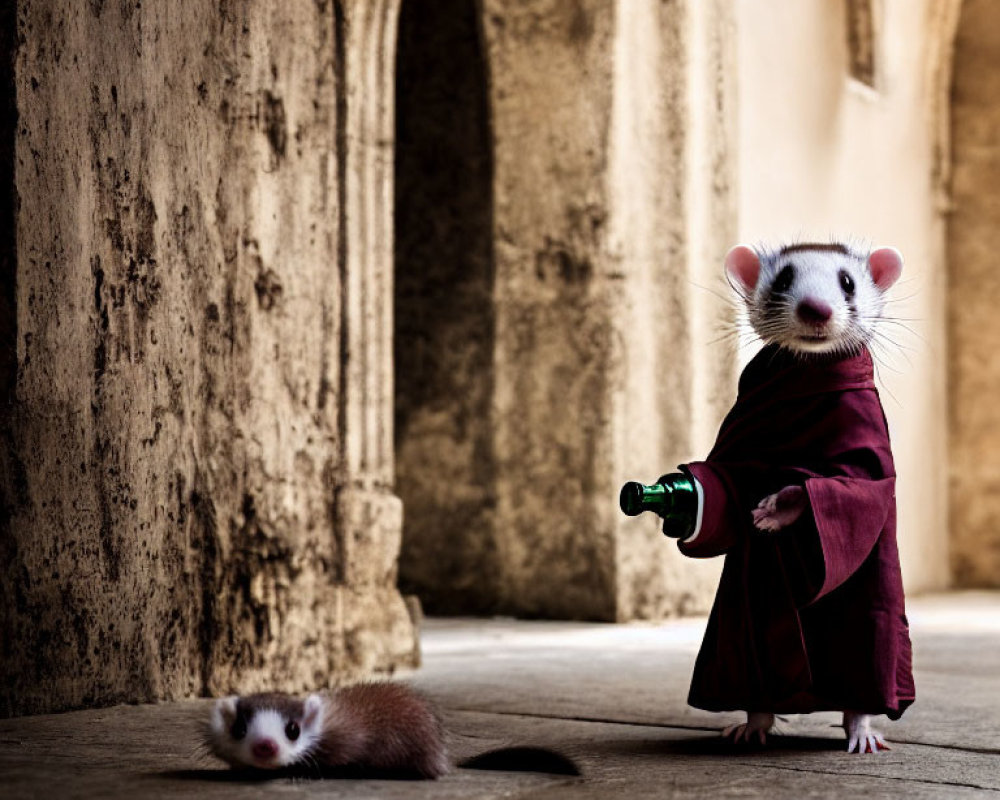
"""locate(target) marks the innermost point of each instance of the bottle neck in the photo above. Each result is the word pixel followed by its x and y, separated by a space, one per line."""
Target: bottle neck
pixel 673 497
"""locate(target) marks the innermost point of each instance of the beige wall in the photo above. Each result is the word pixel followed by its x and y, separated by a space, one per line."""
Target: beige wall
pixel 821 154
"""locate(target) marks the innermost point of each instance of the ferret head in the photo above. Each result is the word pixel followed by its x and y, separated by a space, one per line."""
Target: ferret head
pixel 266 731
pixel 814 298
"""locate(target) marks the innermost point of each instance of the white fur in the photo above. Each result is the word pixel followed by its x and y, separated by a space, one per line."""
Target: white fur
pixel 861 737
pixel 817 276
pixel 265 723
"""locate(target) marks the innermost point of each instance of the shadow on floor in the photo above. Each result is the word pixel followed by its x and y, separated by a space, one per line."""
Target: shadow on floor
pixel 715 745
pixel 299 773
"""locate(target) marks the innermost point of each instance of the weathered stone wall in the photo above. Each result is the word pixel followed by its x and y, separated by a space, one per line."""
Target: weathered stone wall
pixel 613 195
pixel 973 291
pixel 550 314
pixel 551 95
pixel 196 482
pixel 672 173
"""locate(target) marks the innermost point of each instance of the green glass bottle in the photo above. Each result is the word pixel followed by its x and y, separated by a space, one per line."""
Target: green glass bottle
pixel 673 497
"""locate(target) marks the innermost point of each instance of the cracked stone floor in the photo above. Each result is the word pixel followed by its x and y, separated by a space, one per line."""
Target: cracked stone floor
pixel 608 697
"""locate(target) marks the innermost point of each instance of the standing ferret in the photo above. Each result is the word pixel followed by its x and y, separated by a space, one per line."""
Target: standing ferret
pixel 383 727
pixel 798 493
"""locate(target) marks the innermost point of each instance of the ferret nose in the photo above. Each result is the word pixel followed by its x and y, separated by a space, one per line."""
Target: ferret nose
pixel 813 312
pixel 264 749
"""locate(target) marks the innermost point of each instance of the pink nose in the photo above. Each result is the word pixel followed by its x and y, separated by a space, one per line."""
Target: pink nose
pixel 813 312
pixel 264 749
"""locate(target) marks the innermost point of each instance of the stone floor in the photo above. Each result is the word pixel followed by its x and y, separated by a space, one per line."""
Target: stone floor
pixel 610 698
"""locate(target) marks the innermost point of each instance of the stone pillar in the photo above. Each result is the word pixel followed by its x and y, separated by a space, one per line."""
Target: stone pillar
pixel 614 204
pixel 672 177
pixel 197 453
pixel 551 95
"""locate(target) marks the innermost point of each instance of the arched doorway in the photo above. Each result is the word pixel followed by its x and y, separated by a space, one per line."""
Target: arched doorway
pixel 444 320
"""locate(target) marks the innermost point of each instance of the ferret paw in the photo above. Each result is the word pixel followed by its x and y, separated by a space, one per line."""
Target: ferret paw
pixel 756 727
pixel 861 737
pixel 779 510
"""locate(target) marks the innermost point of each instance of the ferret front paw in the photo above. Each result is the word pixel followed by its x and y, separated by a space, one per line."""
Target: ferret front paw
pixel 861 738
pixel 777 511
pixel 756 727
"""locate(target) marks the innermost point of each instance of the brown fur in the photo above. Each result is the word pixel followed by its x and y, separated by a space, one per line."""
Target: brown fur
pixel 380 727
pixel 830 247
pixel 385 726
pixel 285 704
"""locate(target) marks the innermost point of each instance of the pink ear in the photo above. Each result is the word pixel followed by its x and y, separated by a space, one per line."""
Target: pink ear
pixel 312 711
pixel 743 266
pixel 885 265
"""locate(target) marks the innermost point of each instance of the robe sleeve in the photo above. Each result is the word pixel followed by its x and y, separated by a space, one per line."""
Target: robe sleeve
pixel 720 528
pixel 850 515
pixel 852 499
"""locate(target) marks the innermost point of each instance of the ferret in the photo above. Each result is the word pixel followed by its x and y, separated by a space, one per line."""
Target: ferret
pixel 810 299
pixel 816 301
pixel 381 727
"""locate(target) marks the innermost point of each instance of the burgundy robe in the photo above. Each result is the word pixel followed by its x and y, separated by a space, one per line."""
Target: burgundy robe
pixel 809 618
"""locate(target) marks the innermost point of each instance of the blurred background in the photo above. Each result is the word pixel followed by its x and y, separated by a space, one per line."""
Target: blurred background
pixel 317 315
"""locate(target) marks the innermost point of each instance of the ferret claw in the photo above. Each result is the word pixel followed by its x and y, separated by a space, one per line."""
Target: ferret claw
pixel 742 733
pixel 763 521
pixel 756 726
pixel 860 736
pixel 873 743
pixel 779 510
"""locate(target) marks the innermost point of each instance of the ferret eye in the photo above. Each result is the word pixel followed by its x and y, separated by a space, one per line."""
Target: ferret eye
pixel 292 731
pixel 784 280
pixel 239 729
pixel 847 283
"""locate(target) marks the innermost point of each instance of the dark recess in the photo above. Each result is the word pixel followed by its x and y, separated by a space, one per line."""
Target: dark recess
pixel 444 319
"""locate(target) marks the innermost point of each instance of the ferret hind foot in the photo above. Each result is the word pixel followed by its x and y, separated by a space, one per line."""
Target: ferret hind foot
pixel 755 729
pixel 861 737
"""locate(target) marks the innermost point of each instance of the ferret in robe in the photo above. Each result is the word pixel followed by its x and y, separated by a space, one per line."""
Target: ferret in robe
pixel 811 617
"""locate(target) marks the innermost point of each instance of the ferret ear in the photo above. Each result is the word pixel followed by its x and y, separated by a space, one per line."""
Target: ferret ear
pixel 312 711
pixel 224 711
pixel 743 267
pixel 885 265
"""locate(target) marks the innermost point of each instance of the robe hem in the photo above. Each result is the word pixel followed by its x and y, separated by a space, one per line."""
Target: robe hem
pixel 779 708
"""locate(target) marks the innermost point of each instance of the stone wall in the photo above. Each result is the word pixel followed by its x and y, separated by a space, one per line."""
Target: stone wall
pixel 614 200
pixel 198 460
pixel 542 365
pixel 199 331
pixel 673 175
pixel 973 292
pixel 551 94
